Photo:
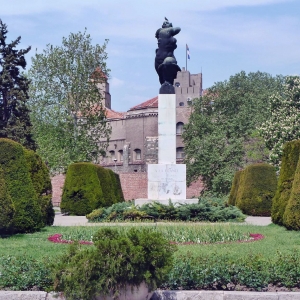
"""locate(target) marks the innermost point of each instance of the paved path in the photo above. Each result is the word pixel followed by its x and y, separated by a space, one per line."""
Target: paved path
pixel 61 220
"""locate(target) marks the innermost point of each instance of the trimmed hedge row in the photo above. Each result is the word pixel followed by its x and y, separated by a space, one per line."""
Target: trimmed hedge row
pixel 87 187
pixel 24 181
pixel 253 189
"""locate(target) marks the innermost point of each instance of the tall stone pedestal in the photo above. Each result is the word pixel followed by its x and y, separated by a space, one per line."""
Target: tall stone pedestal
pixel 166 180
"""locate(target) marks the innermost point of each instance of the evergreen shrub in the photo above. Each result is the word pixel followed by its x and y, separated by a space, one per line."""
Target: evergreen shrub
pixel 291 216
pixel 256 190
pixel 7 208
pixel 40 178
pixel 27 216
pixel 82 191
pixel 234 188
pixel 107 185
pixel 208 209
pixel 84 273
pixel 117 188
pixel 290 157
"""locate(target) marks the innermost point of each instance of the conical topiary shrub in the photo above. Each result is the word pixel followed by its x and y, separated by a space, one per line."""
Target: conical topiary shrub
pixel 27 217
pixel 290 157
pixel 291 216
pixel 82 191
pixel 7 208
pixel 41 181
pixel 256 189
pixel 234 188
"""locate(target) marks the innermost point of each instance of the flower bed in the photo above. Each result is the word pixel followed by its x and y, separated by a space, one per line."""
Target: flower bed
pixel 56 238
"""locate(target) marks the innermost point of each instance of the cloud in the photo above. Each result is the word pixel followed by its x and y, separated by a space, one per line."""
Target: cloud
pixel 115 82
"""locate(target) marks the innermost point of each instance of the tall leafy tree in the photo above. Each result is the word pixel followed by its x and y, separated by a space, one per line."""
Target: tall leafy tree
pixel 66 101
pixel 283 124
pixel 14 113
pixel 222 127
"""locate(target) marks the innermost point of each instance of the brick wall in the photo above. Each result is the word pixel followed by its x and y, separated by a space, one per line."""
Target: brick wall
pixel 57 185
pixel 134 186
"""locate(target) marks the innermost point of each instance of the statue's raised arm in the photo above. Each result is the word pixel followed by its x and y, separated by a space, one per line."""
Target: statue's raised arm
pixel 165 61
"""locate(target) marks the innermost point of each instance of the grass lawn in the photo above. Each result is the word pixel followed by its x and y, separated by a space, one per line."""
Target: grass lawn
pixel 277 240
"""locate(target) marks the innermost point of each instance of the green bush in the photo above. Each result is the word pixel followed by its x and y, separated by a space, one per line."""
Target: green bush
pixel 117 186
pixel 291 216
pixel 27 216
pixel 82 191
pixel 84 273
pixel 290 157
pixel 7 208
pixel 256 190
pixel 40 178
pixel 107 186
pixel 223 272
pixel 23 273
pixel 234 188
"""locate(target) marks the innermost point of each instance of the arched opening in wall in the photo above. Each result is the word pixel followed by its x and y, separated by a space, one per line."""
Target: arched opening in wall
pixel 120 155
pixel 112 156
pixel 180 153
pixel 181 104
pixel 177 84
pixel 179 128
pixel 137 154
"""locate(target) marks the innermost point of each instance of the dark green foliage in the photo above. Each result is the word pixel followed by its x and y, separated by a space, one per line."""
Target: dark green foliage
pixel 208 209
pixel 291 216
pixel 7 208
pixel 219 135
pixel 23 273
pixel 82 191
pixel 84 273
pixel 256 189
pixel 40 178
pixel 117 185
pixel 234 188
pixel 290 157
pixel 27 216
pixel 107 186
pixel 14 121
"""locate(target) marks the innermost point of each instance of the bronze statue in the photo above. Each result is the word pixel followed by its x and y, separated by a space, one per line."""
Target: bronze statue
pixel 165 61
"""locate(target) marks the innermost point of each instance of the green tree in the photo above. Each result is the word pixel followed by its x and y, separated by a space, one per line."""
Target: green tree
pixel 66 100
pixel 283 124
pixel 14 114
pixel 222 124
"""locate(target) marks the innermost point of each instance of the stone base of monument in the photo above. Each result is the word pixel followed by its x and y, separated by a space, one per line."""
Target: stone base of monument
pixel 142 201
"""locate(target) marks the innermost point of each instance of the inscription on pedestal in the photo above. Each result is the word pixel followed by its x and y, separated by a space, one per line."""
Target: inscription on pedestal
pixel 166 181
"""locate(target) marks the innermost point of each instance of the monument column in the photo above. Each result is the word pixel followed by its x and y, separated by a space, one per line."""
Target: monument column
pixel 166 180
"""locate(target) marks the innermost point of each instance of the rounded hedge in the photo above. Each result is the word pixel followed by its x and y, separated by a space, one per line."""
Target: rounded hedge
pixel 256 189
pixel 40 178
pixel 82 191
pixel 290 157
pixel 27 217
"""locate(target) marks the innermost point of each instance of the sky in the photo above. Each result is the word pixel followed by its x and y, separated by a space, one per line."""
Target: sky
pixel 224 37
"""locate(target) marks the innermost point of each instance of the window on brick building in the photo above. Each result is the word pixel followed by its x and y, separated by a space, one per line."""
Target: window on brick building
pixel 180 153
pixel 112 156
pixel 121 155
pixel 179 128
pixel 181 104
pixel 137 154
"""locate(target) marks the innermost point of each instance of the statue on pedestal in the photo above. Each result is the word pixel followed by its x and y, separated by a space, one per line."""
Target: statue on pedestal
pixel 165 61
